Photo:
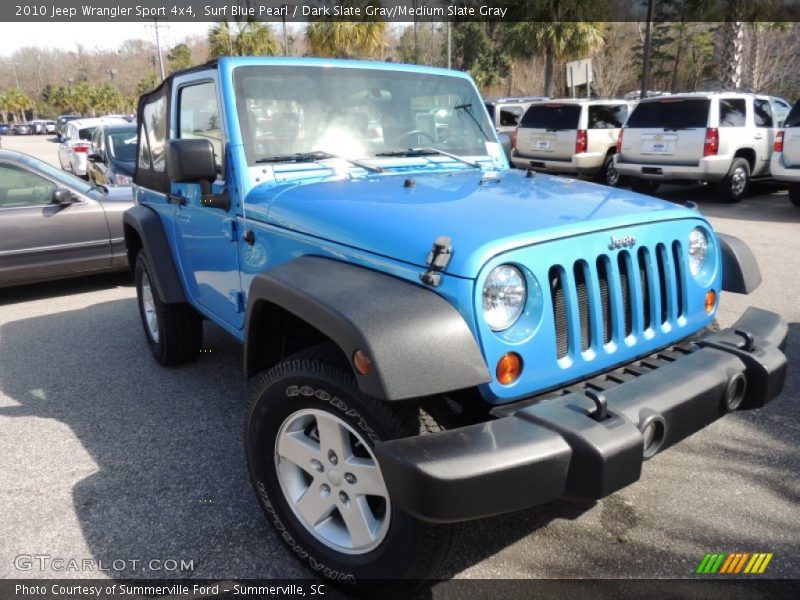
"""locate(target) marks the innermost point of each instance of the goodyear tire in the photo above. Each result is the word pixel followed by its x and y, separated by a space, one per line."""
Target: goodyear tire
pixel 309 435
pixel 734 186
pixel 794 193
pixel 174 332
pixel 644 186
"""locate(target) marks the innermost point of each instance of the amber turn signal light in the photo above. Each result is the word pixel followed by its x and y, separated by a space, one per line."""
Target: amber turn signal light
pixel 509 368
pixel 711 301
pixel 362 362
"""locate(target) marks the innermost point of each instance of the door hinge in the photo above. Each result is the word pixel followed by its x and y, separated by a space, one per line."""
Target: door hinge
pixel 237 298
pixel 230 230
pixel 438 259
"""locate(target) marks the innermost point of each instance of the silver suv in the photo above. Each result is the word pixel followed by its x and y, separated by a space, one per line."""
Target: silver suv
pixel 785 164
pixel 720 137
pixel 573 136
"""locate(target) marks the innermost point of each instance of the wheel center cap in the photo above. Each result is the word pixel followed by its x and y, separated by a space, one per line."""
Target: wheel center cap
pixel 334 478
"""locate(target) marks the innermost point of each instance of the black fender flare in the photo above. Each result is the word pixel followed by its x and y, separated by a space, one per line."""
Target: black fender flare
pixel 419 344
pixel 740 272
pixel 146 224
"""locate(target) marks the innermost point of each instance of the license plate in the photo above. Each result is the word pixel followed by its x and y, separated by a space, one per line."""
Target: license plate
pixel 659 146
pixel 542 145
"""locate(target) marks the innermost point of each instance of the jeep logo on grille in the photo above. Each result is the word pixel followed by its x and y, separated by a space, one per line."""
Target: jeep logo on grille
pixel 626 241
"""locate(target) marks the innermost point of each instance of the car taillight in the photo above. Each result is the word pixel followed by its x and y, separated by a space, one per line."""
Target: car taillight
pixel 581 141
pixel 82 148
pixel 514 138
pixel 778 147
pixel 619 141
pixel 711 143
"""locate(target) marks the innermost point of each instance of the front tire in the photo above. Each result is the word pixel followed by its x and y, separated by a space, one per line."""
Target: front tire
pixel 734 186
pixel 174 332
pixel 309 436
pixel 794 194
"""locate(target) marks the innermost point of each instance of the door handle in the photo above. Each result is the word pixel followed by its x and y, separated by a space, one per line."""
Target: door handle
pixel 758 136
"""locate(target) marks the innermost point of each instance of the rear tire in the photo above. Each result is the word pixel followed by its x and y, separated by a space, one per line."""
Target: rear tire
pixel 608 174
pixel 174 332
pixel 734 186
pixel 794 193
pixel 644 186
pixel 312 398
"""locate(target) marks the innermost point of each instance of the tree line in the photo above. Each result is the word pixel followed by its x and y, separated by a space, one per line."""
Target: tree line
pixel 525 58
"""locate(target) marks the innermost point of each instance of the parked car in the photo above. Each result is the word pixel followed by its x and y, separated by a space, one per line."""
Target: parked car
pixel 6 129
pixel 572 136
pixel 50 127
pixel 54 225
pixel 74 148
pixel 785 165
pixel 112 155
pixel 724 138
pixel 23 129
pixel 37 126
pixel 505 114
pixel 438 337
pixel 61 124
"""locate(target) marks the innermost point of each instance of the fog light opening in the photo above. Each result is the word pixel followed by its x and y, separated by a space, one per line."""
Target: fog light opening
pixel 509 368
pixel 652 429
pixel 734 392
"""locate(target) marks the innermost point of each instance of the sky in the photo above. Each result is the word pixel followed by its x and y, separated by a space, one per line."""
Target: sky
pixel 90 35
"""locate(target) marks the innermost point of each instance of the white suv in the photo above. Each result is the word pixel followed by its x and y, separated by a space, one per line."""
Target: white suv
pixel 720 137
pixel 572 136
pixel 785 164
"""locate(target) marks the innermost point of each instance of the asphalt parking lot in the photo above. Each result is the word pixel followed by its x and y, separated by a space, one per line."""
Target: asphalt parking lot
pixel 105 455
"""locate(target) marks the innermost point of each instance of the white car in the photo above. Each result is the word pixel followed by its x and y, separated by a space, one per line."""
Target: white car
pixel 74 149
pixel 572 136
pixel 785 163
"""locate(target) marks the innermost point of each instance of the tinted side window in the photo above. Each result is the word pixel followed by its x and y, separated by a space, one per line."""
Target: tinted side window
pixel 490 110
pixel 198 116
pixel 762 113
pixel 670 113
pixel 607 117
pixel 793 120
pixel 97 141
pixel 552 116
pixel 155 124
pixel 732 113
pixel 510 116
pixel 781 111
pixel 23 188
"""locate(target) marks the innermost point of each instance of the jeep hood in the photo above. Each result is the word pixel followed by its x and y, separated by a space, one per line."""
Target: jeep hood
pixel 399 216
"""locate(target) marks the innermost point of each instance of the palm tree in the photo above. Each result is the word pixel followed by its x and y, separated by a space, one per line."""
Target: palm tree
pixel 15 101
pixel 241 38
pixel 340 39
pixel 558 39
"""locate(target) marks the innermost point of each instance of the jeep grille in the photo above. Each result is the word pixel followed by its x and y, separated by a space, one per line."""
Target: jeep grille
pixel 616 296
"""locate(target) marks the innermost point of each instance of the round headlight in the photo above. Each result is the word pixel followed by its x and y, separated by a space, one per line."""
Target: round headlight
pixel 504 296
pixel 698 250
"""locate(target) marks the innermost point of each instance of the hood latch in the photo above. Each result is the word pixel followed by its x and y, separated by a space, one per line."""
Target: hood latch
pixel 438 259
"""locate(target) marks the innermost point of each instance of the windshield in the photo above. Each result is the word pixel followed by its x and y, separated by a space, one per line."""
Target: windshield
pixel 122 145
pixel 356 113
pixel 670 113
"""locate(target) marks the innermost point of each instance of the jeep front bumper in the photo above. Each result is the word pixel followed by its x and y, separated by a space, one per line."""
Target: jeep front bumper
pixel 556 448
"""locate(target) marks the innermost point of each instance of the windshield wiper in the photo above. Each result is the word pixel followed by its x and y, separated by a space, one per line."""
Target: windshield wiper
pixel 428 151
pixel 315 155
pixel 467 108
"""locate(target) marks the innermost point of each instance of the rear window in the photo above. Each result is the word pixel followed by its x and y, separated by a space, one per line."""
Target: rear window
pixel 607 117
pixel 670 113
pixel 732 113
pixel 793 120
pixel 86 133
pixel 552 116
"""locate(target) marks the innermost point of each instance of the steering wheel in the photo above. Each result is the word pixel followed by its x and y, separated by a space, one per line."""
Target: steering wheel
pixel 416 132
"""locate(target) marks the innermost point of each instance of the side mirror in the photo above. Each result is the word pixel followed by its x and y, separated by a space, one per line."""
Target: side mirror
pixel 505 142
pixel 191 161
pixel 94 157
pixel 63 196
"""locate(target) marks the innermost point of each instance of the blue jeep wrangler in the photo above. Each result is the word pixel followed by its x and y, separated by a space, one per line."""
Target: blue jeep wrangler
pixel 436 337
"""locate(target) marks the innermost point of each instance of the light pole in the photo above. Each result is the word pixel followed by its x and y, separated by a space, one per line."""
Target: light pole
pixel 647 43
pixel 285 8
